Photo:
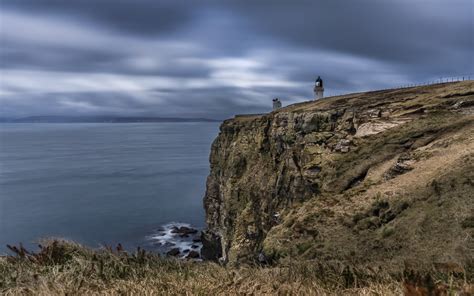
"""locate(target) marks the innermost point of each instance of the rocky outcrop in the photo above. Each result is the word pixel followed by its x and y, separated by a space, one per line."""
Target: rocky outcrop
pixel 310 178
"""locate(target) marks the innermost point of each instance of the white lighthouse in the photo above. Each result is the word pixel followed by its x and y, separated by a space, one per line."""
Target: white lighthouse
pixel 318 89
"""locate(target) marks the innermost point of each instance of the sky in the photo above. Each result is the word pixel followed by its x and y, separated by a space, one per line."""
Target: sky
pixel 218 58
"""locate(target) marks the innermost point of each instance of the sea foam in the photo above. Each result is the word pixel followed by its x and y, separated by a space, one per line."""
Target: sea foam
pixel 167 238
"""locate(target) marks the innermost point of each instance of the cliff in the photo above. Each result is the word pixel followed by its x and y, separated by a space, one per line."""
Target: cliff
pixel 382 177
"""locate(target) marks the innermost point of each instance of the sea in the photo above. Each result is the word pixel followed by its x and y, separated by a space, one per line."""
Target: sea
pixel 101 184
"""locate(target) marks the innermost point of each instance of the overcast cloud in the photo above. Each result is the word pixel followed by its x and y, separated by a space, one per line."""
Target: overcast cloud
pixel 218 58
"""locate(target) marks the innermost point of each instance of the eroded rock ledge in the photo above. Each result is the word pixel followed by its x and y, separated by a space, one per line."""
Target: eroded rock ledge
pixel 334 179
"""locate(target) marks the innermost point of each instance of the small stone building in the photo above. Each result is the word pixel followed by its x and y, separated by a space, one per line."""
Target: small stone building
pixel 276 104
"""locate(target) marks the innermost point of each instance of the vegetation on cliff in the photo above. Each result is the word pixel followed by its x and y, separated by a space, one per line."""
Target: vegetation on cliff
pixel 381 179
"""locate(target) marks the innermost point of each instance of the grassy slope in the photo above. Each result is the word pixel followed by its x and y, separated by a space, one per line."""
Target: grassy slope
pixel 365 209
pixel 67 268
pixel 428 204
pixel 419 216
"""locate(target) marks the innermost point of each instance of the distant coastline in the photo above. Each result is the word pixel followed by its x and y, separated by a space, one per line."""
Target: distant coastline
pixel 101 119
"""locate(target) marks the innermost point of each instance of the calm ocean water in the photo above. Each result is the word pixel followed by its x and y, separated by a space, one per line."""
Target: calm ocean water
pixel 101 183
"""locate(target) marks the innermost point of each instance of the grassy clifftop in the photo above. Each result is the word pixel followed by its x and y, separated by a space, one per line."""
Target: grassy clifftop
pixel 381 178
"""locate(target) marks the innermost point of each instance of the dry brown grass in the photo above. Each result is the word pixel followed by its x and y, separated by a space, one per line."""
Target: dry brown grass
pixel 62 268
pixel 66 268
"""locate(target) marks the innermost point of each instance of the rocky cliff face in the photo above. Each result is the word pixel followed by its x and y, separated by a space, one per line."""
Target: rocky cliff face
pixel 382 176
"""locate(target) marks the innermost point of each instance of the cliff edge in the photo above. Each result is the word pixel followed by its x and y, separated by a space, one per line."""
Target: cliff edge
pixel 383 177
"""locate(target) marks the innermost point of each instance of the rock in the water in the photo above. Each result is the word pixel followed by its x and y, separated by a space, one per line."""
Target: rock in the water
pixel 173 252
pixel 193 255
pixel 183 231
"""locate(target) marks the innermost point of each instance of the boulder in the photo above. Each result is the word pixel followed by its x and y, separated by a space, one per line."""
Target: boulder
pixel 173 252
pixel 183 231
pixel 193 254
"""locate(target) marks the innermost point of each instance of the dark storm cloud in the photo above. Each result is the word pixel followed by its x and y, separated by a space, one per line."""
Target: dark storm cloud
pixel 217 58
pixel 137 16
pixel 394 30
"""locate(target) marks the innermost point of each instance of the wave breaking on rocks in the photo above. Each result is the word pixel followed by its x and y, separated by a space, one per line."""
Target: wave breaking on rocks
pixel 179 240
